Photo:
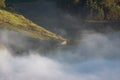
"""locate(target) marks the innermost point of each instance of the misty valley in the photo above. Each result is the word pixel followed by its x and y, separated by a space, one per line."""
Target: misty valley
pixel 52 40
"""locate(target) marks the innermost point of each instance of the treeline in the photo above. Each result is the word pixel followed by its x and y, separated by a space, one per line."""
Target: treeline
pixel 92 9
pixel 87 9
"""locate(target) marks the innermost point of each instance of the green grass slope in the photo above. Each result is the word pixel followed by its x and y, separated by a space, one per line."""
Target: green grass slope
pixel 18 23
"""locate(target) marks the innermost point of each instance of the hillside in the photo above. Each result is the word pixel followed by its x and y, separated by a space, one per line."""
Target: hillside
pixel 15 22
pixel 92 9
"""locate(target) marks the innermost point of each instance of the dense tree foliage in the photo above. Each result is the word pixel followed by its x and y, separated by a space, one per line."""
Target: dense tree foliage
pixel 93 9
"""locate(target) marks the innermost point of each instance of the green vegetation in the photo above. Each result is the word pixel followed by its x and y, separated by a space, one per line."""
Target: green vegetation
pixel 93 9
pixel 16 22
pixel 12 21
pixel 2 4
pixel 88 9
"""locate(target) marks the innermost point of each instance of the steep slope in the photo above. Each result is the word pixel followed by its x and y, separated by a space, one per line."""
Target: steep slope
pixel 18 23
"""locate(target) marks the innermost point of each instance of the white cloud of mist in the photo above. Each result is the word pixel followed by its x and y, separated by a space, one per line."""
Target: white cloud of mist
pixel 95 58
pixel 101 45
pixel 36 67
pixel 93 45
pixel 13 38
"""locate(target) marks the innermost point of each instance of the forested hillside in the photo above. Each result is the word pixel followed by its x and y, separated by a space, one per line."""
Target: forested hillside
pixel 92 9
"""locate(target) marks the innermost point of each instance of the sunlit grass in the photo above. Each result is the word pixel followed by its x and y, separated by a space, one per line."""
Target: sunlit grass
pixel 19 23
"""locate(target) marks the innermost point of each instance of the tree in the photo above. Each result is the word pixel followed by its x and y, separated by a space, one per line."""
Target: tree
pixel 2 4
pixel 114 13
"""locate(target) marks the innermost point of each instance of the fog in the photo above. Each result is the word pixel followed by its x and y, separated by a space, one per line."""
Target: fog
pixel 91 55
pixel 96 57
pixel 36 67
